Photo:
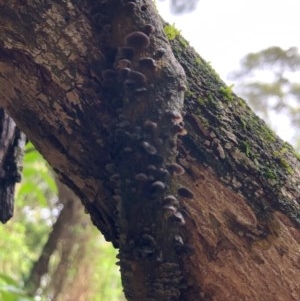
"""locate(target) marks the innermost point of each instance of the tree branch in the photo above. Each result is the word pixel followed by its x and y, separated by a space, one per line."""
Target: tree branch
pixel 108 121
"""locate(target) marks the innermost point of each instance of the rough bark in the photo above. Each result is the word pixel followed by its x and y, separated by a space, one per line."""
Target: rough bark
pixel 12 143
pixel 230 231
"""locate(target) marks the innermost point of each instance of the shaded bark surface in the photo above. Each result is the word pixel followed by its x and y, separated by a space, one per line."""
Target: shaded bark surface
pixel 231 230
pixel 12 143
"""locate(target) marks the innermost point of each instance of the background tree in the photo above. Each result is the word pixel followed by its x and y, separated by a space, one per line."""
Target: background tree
pixel 268 80
pixel 105 98
pixel 182 6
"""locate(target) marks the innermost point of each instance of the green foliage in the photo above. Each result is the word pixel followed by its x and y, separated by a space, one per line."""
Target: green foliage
pixel 171 31
pixel 279 155
pixel 38 183
pixel 27 232
pixel 246 148
pixel 10 290
pixel 227 92
pixel 106 281
pixel 279 59
pixel 37 207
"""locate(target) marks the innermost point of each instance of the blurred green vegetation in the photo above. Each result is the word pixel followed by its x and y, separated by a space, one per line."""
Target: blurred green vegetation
pixel 87 265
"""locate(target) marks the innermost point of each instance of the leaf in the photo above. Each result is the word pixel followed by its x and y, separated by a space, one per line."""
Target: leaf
pixel 10 289
pixel 7 279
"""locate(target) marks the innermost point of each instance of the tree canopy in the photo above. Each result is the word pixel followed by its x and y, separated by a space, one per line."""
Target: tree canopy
pixel 182 6
pixel 268 80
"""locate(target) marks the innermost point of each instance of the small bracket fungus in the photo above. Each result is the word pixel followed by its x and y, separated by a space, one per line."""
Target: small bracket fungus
pixel 137 40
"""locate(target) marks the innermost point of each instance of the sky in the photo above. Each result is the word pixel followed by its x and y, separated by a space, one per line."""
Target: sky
pixel 224 31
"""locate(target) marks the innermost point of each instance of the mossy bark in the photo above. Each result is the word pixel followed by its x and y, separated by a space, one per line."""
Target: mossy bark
pixel 227 229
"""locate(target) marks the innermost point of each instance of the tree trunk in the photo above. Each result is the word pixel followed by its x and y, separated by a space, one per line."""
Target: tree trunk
pixel 100 91
pixel 12 143
pixel 64 236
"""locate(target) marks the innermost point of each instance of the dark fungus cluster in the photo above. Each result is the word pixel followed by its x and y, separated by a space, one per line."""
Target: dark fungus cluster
pixel 144 151
pixel 124 75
